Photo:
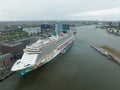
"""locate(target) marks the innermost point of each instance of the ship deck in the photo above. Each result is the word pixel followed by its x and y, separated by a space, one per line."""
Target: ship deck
pixel 51 47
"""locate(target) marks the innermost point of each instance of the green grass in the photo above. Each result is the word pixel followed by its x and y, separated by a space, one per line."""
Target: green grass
pixel 111 50
pixel 14 34
pixel 115 27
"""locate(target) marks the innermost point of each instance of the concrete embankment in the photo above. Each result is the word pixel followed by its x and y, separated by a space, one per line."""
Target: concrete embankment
pixel 6 74
pixel 114 55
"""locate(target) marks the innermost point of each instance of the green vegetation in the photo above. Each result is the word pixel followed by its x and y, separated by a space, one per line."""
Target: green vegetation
pixel 111 50
pixel 13 34
pixel 16 33
pixel 115 27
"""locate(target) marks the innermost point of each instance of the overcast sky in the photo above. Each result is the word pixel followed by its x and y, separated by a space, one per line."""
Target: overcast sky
pixel 13 10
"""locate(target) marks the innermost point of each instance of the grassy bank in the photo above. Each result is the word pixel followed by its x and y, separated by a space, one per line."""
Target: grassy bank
pixel 13 34
pixel 111 50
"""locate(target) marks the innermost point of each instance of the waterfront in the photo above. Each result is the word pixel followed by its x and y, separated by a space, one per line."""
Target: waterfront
pixel 81 68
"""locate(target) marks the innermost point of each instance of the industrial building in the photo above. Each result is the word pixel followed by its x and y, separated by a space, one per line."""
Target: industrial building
pixel 6 61
pixel 14 48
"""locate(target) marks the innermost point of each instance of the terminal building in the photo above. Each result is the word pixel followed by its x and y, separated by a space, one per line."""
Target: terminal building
pixel 6 61
pixel 14 48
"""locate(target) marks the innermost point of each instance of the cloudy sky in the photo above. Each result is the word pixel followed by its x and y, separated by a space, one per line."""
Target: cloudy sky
pixel 13 10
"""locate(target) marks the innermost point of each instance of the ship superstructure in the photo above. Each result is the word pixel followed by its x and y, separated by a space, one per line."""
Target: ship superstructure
pixel 43 51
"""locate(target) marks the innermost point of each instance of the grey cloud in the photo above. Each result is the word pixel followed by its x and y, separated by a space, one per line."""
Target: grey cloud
pixel 51 9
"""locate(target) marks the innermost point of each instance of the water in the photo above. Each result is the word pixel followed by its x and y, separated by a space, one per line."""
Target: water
pixel 81 68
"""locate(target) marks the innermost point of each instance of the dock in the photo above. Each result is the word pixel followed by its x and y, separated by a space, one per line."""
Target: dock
pixel 6 74
pixel 100 50
pixel 106 53
pixel 114 58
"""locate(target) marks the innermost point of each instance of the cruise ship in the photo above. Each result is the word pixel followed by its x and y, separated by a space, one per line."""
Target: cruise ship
pixel 42 52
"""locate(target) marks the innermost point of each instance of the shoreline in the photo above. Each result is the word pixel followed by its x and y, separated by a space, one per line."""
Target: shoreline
pixel 114 54
pixel 6 75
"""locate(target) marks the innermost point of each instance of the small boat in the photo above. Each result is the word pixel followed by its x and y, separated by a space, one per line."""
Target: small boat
pixel 100 50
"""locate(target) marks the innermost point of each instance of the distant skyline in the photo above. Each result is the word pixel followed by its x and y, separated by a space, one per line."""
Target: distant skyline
pixel 20 10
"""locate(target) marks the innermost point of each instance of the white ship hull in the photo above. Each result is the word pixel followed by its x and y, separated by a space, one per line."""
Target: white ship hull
pixel 49 56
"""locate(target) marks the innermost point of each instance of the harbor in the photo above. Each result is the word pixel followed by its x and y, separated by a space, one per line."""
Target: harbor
pixel 5 75
pixel 101 49
pixel 80 68
pixel 114 55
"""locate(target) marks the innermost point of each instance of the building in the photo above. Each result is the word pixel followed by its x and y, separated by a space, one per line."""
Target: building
pixel 6 61
pixel 47 27
pixel 0 50
pixel 16 49
pixel 58 28
pixel 11 48
pixel 66 27
pixel 32 30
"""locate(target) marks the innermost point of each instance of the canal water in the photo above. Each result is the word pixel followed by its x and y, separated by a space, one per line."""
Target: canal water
pixel 81 68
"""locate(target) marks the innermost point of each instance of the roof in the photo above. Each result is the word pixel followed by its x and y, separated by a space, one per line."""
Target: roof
pixel 5 56
pixel 11 45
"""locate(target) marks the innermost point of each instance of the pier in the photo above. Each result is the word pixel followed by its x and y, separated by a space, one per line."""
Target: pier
pixel 113 54
pixel 6 74
pixel 108 52
pixel 114 58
